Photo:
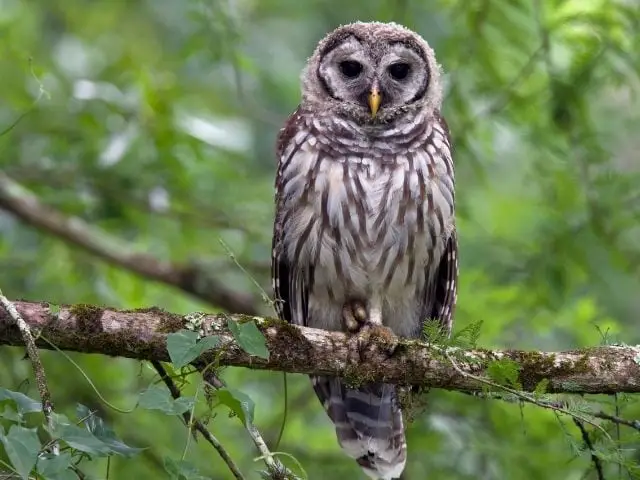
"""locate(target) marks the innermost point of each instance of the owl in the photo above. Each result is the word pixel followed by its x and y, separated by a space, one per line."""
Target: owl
pixel 364 232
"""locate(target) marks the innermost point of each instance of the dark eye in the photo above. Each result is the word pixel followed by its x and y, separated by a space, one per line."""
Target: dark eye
pixel 399 71
pixel 350 68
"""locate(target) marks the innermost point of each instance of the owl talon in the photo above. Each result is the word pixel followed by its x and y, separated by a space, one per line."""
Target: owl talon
pixel 368 335
pixel 372 337
pixel 354 316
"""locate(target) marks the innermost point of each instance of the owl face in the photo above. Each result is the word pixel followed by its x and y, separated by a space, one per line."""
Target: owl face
pixel 372 73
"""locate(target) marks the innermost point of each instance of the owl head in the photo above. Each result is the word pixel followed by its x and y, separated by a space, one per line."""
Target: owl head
pixel 372 73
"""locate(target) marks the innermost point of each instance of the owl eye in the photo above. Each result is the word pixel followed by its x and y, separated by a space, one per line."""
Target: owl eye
pixel 350 68
pixel 399 71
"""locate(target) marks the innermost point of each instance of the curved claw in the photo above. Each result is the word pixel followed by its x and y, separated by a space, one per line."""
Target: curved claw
pixel 369 335
pixel 377 336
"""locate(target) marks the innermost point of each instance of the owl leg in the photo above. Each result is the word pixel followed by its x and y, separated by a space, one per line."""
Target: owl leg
pixel 366 323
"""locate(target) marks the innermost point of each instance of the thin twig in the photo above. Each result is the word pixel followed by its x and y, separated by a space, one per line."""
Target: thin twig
pixel 261 445
pixel 199 426
pixel 266 298
pixel 272 463
pixel 285 401
pixel 597 463
pixel 36 363
pixel 617 407
pixel 544 37
pixel 635 424
pixel 615 419
pixel 41 92
pixel 524 396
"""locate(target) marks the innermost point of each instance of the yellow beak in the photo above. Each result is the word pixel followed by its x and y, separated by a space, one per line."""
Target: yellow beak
pixel 374 101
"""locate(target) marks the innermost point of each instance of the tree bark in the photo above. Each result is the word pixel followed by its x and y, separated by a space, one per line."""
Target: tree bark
pixel 141 334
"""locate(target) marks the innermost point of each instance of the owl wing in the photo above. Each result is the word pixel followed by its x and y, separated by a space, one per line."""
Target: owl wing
pixel 442 292
pixel 445 285
pixel 290 281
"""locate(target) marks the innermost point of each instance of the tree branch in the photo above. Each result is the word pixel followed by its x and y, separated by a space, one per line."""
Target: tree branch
pixel 73 230
pixel 597 463
pixel 36 363
pixel 557 405
pixel 192 279
pixel 141 334
pixel 197 424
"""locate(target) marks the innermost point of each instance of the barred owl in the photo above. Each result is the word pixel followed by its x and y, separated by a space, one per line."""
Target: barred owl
pixel 364 234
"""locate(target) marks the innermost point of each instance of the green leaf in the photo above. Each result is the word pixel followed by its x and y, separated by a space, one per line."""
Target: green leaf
pixel 432 332
pixel 9 413
pixel 22 446
pixel 25 404
pixel 183 404
pixel 157 398
pixel 505 372
pixel 206 343
pixel 179 345
pixel 183 346
pixel 82 439
pixel 249 338
pixel 541 387
pixel 239 403
pixel 182 470
pixel 77 437
pixel 104 433
pixel 55 467
pixel 468 336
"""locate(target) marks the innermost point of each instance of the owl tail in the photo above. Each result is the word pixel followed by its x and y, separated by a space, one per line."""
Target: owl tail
pixel 368 425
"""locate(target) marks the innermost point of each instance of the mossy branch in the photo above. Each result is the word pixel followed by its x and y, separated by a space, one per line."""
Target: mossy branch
pixel 141 334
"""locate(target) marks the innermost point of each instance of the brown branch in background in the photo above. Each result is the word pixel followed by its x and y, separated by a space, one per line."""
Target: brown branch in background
pixel 36 363
pixel 189 278
pixel 197 424
pixel 141 334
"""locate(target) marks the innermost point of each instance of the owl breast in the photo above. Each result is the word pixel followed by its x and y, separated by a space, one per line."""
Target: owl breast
pixel 372 228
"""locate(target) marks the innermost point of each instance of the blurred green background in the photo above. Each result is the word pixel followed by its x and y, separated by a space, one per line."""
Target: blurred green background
pixel 156 121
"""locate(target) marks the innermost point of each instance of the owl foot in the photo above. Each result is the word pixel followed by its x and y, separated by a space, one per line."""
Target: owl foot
pixel 376 337
pixel 354 316
pixel 368 335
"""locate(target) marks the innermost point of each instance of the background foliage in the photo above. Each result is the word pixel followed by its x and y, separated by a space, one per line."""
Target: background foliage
pixel 156 121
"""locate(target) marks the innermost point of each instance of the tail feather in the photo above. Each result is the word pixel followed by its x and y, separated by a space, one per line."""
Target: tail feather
pixel 368 424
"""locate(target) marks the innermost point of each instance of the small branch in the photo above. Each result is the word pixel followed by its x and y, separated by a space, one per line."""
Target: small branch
pixel 635 424
pixel 523 396
pixel 588 444
pixel 73 230
pixel 34 356
pixel 557 405
pixel 141 334
pixel 273 465
pixel 199 426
